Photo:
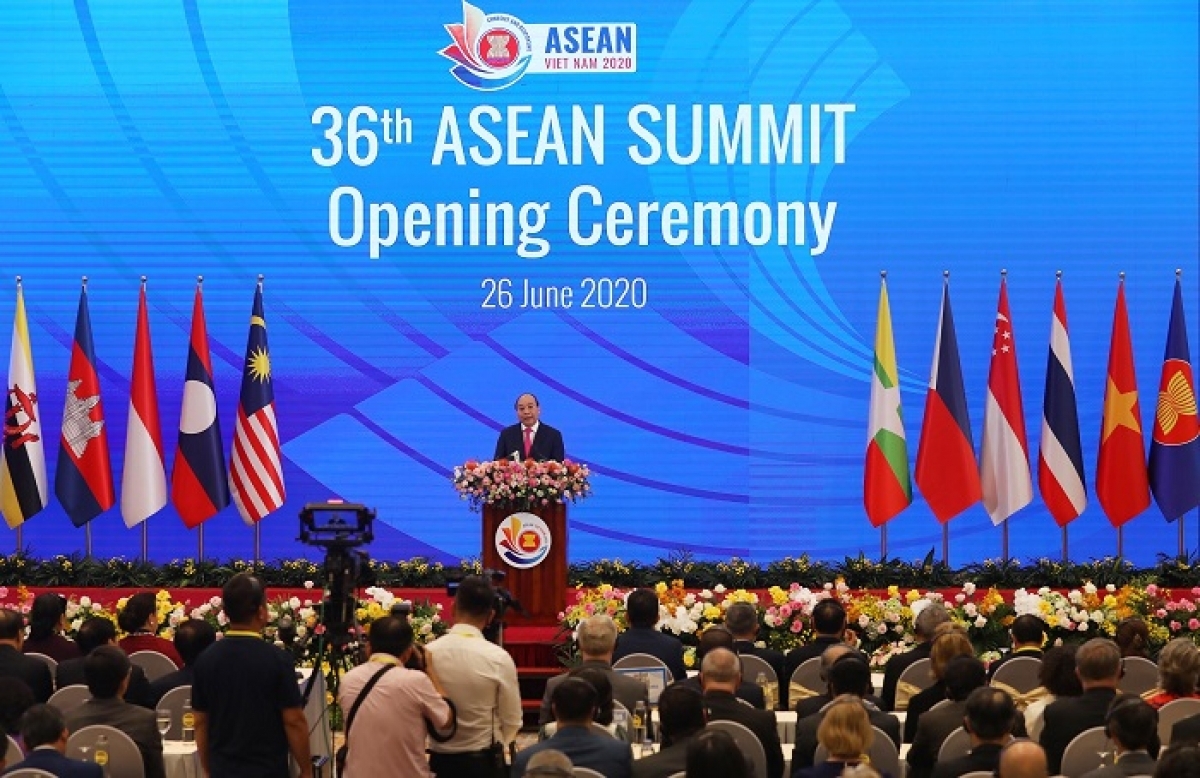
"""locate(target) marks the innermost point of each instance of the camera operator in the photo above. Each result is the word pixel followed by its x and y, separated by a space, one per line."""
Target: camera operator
pixel 504 601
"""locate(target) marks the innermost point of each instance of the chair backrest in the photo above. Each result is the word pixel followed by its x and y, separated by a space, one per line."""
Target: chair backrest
pixel 12 752
pixel 29 772
pixel 883 753
pixel 646 668
pixel 753 665
pixel 941 704
pixel 1020 672
pixel 49 661
pixel 1085 752
pixel 124 759
pixel 1172 712
pixel 956 744
pixel 600 729
pixel 587 772
pixel 174 701
pixel 977 774
pixel 917 677
pixel 677 775
pixel 1140 675
pixel 806 681
pixel 748 742
pixel 69 698
pixel 153 664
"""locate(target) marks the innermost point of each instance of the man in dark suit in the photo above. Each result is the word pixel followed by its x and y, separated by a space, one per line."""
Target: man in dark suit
pixel 13 664
pixel 45 738
pixel 107 671
pixel 1027 633
pixel 1186 732
pixel 574 704
pixel 1132 726
pixel 191 637
pixel 849 676
pixel 597 638
pixel 1098 665
pixel 96 631
pixel 529 438
pixel 963 675
pixel 717 636
pixel 681 718
pixel 924 625
pixel 810 705
pixel 643 637
pixel 720 674
pixel 989 720
pixel 742 621
pixel 829 626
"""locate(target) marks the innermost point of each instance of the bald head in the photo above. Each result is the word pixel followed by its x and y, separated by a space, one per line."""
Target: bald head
pixel 831 655
pixel 721 670
pixel 1023 759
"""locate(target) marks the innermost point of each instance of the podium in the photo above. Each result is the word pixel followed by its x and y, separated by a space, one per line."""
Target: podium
pixel 541 588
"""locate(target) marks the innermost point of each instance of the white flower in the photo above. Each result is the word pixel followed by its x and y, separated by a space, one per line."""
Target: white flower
pixel 1089 588
pixel 1098 616
pixel 918 606
pixel 1110 588
pixel 980 622
pixel 294 603
pixel 960 598
pixel 971 610
pixel 968 588
pixel 864 621
pixel 705 594
pixel 308 584
pixel 719 589
pixel 85 602
pixel 1083 626
pixel 222 619
pixel 214 601
pixel 1075 596
pixel 689 600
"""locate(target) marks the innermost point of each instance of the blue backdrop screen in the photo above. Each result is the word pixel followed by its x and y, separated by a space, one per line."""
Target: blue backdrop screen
pixel 666 219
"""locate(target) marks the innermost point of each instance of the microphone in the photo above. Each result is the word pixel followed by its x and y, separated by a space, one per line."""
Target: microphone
pixel 516 456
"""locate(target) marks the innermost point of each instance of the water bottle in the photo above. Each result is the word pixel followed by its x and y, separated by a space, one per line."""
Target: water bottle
pixel 764 683
pixel 100 753
pixel 639 722
pixel 188 722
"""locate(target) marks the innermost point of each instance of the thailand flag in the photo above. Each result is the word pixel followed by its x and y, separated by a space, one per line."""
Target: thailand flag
pixel 199 485
pixel 1060 463
pixel 1004 460
pixel 83 481
pixel 144 479
pixel 1175 447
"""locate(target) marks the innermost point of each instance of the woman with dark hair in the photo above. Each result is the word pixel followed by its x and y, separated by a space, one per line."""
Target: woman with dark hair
pixel 47 620
pixel 715 754
pixel 1133 637
pixel 1057 676
pixel 139 618
pixel 603 714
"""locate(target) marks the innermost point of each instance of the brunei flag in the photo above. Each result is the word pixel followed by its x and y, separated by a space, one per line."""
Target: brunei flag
pixel 23 482
pixel 887 489
pixel 199 485
pixel 83 481
pixel 1175 447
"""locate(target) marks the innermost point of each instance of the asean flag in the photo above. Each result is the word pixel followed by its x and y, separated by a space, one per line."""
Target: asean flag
pixel 1175 447
pixel 199 484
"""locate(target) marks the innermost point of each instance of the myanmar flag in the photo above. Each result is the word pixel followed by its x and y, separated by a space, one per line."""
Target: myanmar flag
pixel 887 489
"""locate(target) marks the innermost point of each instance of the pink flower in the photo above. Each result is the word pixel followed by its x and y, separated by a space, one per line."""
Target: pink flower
pixel 1161 613
pixel 1152 590
pixel 797 626
pixel 1194 624
pixel 1175 626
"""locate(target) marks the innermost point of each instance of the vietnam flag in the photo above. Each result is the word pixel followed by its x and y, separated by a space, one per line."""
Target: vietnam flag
pixel 1004 460
pixel 886 486
pixel 83 481
pixel 1175 446
pixel 1121 482
pixel 946 470
pixel 199 484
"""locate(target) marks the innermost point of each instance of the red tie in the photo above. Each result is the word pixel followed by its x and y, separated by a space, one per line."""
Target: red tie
pixel 528 440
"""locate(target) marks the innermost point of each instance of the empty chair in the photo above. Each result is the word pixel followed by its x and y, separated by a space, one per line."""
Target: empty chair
pixel 806 681
pixel 748 742
pixel 153 664
pixel 124 759
pixel 29 773
pixel 756 669
pixel 956 744
pixel 1020 678
pixel 587 772
pixel 174 701
pixel 917 677
pixel 1085 752
pixel 647 668
pixel 977 774
pixel 1140 675
pixel 1172 712
pixel 883 754
pixel 12 753
pixel 69 698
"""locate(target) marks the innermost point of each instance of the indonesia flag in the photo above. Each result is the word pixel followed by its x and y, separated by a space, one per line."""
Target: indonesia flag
pixel 255 472
pixel 144 479
pixel 1060 463
pixel 886 486
pixel 199 486
pixel 1004 466
pixel 83 480
pixel 1175 447
pixel 946 471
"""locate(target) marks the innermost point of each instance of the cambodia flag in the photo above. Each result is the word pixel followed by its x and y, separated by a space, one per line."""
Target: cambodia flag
pixel 946 471
pixel 199 485
pixel 83 482
pixel 1175 447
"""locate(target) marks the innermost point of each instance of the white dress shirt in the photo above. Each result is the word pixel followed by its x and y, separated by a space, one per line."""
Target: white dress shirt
pixel 481 679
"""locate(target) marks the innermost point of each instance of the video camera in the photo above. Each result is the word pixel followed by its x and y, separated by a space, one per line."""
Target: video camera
pixel 340 528
pixel 503 602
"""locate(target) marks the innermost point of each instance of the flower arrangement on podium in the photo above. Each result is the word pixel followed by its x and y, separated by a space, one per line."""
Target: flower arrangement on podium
pixel 521 485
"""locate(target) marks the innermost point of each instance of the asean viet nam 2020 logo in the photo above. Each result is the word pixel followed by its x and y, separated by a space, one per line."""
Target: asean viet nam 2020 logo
pixel 494 51
pixel 523 540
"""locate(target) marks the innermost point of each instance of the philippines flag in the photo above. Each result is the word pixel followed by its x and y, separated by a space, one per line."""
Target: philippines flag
pixel 1060 463
pixel 23 476
pixel 255 472
pixel 1004 460
pixel 946 471
pixel 83 481
pixel 144 480
pixel 1175 447
pixel 199 487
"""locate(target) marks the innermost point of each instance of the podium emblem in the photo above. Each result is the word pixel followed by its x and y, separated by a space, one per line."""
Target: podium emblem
pixel 523 540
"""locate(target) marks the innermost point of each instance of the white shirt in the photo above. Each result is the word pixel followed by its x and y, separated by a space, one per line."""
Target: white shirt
pixel 481 679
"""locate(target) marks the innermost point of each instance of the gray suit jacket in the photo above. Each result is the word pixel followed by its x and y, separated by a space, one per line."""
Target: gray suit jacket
pixel 933 728
pixel 1133 763
pixel 133 720
pixel 627 691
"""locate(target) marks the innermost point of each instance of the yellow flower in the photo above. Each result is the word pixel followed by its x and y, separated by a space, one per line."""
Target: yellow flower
pixel 778 595
pixel 894 592
pixel 912 596
pixel 712 612
pixel 660 588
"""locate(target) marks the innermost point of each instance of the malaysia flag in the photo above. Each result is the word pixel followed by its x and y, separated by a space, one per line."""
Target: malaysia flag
pixel 144 479
pixel 1175 447
pixel 83 481
pixel 1060 463
pixel 199 486
pixel 1004 461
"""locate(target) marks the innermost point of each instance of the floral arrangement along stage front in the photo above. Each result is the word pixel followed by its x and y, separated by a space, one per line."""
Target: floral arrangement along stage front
pixel 521 485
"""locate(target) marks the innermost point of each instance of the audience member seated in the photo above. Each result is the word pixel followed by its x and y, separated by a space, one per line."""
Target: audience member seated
pixel 1179 762
pixel 924 626
pixel 717 636
pixel 139 618
pixel 1027 634
pixel 96 631
pixel 742 621
pixel 949 640
pixel 550 764
pixel 989 719
pixel 849 677
pixel 1133 637
pixel 47 622
pixel 191 637
pixel 846 733
pixel 643 637
pixel 963 675
pixel 680 720
pixel 1178 672
pixel 829 628
pixel 107 670
pixel 13 664
pixel 597 638
pixel 604 704
pixel 45 737
pixel 1058 677
pixel 720 676
pixel 1098 665
pixel 1022 759
pixel 810 705
pixel 574 704
pixel 715 754
pixel 15 699
pixel 1132 727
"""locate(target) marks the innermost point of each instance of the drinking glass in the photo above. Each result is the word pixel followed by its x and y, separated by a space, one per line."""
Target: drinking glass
pixel 163 719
